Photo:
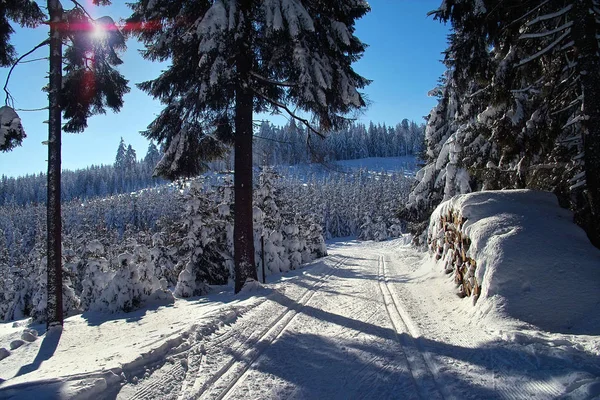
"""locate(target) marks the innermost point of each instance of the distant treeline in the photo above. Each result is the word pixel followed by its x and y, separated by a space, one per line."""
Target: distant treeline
pixel 290 144
pixel 126 175
pixel 273 145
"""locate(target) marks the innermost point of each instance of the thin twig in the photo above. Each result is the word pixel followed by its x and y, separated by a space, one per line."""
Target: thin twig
pixel 272 140
pixel 35 59
pixel 290 112
pixel 8 95
pixel 82 8
pixel 31 109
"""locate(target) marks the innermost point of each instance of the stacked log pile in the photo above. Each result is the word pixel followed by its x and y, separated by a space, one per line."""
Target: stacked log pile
pixel 452 245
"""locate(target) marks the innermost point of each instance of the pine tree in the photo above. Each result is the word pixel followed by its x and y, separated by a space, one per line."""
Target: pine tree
pixel 90 84
pixel 536 67
pixel 120 158
pixel 25 13
pixel 130 159
pixel 152 156
pixel 238 57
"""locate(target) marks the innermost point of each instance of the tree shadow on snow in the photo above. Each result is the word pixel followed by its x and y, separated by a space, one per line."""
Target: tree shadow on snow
pixel 315 366
pixel 96 318
pixel 45 352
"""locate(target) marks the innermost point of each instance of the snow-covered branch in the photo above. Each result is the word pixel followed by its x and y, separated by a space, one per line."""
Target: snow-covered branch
pixel 529 13
pixel 545 50
pixel 551 15
pixel 574 121
pixel 546 33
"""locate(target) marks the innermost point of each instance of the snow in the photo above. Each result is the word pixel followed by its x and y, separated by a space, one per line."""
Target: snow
pixel 292 11
pixel 342 31
pixel 369 321
pixel 408 165
pixel 533 263
pixel 10 123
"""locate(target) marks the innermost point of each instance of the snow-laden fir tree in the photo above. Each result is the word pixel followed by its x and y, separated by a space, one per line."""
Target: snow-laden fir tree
pixel 163 257
pixel 11 130
pixel 265 200
pixel 120 293
pixel 204 251
pixel 97 275
pixel 82 82
pixel 224 224
pixel 231 58
pixel 528 76
pixel 314 243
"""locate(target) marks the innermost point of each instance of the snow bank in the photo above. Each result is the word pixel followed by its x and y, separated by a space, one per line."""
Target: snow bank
pixel 531 261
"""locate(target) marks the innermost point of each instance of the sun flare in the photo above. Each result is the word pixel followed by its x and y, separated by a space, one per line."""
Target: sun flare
pixel 99 32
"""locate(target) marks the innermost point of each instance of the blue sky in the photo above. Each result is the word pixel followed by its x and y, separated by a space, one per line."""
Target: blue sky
pixel 403 60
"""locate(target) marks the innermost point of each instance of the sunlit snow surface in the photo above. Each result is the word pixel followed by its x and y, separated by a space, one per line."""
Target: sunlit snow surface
pixel 371 320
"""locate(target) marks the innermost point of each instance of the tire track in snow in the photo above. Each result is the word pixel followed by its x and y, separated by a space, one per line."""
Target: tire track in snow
pixel 423 370
pixel 226 378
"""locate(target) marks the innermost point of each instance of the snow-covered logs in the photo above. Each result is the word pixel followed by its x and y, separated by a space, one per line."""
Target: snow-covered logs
pixel 450 244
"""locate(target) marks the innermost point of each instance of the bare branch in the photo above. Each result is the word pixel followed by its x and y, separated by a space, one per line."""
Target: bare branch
pixel 545 50
pixel 304 121
pixel 272 140
pixel 526 14
pixel 550 16
pixel 537 35
pixel 32 109
pixel 8 95
pixel 35 59
pixel 82 8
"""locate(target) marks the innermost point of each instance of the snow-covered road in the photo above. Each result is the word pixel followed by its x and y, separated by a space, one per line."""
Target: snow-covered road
pixel 370 322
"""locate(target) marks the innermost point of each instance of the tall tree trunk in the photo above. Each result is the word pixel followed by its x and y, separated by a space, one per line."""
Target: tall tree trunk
pixel 54 225
pixel 243 232
pixel 584 36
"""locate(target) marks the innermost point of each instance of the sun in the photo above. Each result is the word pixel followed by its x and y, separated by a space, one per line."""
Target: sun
pixel 99 32
pixel 102 27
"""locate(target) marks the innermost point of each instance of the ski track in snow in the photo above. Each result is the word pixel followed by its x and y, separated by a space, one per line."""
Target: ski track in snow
pixel 202 381
pixel 371 321
pixel 224 381
pixel 421 366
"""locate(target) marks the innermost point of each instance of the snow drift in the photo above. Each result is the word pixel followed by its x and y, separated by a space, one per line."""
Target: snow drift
pixel 533 263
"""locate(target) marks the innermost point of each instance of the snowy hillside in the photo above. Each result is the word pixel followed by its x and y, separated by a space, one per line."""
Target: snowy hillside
pixel 406 166
pixel 371 320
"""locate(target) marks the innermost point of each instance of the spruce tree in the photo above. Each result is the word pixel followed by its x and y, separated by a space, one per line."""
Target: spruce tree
pixel 25 13
pixel 526 75
pixel 120 159
pixel 130 159
pixel 82 82
pixel 231 58
pixel 152 156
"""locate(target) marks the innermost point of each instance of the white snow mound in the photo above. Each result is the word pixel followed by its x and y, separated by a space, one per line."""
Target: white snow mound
pixel 533 263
